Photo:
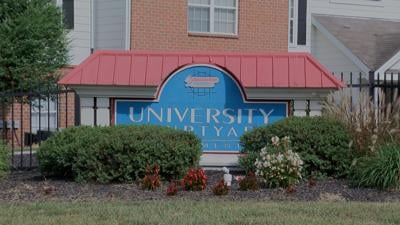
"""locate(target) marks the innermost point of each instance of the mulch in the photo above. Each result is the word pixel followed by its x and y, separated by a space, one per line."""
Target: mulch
pixel 30 186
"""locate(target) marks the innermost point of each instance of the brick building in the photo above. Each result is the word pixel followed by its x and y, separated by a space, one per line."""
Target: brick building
pixel 214 67
pixel 260 26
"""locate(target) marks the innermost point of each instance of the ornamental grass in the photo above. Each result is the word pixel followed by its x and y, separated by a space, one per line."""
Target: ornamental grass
pixel 371 123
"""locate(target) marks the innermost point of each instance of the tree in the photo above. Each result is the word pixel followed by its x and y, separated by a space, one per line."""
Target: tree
pixel 33 44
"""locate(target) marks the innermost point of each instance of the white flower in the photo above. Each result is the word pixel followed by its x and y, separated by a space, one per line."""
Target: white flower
pixel 275 141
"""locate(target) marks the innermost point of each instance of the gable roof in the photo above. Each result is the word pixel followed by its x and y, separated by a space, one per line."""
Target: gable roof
pixel 150 69
pixel 372 41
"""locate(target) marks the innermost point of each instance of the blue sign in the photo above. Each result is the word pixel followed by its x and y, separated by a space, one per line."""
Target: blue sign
pixel 206 101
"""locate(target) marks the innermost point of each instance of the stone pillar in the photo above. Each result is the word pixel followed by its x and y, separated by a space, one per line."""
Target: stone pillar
pixel 315 108
pixel 300 108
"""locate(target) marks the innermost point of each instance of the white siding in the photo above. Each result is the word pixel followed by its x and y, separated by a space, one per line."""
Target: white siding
pixel 80 35
pixel 329 55
pixel 396 66
pixel 110 24
pixel 387 9
pixel 110 28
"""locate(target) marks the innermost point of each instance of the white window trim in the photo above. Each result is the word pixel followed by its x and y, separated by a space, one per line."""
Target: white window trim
pixel 359 2
pixel 58 3
pixel 212 13
pixel 36 113
pixel 128 25
pixel 295 24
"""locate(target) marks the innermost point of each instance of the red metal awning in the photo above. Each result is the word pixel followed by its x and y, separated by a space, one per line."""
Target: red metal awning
pixel 136 68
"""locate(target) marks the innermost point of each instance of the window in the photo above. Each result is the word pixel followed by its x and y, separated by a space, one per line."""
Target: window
pixel 291 22
pixel 297 22
pixel 47 114
pixel 68 11
pixel 302 23
pixel 213 16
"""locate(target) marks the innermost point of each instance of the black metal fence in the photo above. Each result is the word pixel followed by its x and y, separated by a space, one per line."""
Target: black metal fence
pixel 376 84
pixel 27 118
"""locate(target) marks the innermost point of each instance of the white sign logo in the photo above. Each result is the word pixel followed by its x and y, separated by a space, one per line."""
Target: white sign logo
pixel 201 82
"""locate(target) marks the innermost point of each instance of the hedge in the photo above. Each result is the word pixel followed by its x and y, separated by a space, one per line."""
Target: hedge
pixel 120 153
pixel 323 144
pixel 4 160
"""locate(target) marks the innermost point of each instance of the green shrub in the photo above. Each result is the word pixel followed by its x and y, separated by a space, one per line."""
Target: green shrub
pixel 4 161
pixel 322 144
pixel 120 153
pixel 379 171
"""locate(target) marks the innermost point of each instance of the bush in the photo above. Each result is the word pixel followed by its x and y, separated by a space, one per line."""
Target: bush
pixel 379 171
pixel 120 153
pixel 4 161
pixel 249 183
pixel 221 188
pixel 172 189
pixel 278 165
pixel 195 180
pixel 152 180
pixel 323 144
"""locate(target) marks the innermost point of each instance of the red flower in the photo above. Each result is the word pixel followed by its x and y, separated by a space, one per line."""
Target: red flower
pixel 195 180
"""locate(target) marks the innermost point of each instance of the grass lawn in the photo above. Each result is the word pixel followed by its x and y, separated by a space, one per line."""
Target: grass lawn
pixel 176 212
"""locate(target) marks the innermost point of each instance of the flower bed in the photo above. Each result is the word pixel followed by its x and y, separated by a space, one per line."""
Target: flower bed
pixel 30 186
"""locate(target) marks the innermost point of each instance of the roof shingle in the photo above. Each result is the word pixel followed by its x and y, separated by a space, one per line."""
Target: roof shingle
pixel 373 41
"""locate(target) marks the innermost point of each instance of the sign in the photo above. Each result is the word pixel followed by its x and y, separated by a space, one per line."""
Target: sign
pixel 206 101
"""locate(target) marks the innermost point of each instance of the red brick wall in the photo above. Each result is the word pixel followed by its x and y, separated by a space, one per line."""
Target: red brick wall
pixel 162 25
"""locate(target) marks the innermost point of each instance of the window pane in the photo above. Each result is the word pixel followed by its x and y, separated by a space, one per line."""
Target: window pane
pixel 224 21
pixel 199 19
pixel 203 2
pixel 68 11
pixel 291 32
pixel 291 9
pixel 46 114
pixel 302 23
pixel 226 3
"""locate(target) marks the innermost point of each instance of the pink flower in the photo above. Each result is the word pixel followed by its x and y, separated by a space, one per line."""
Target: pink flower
pixel 238 178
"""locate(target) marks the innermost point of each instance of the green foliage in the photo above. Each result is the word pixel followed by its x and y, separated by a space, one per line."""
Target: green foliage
pixel 120 153
pixel 33 43
pixel 4 161
pixel 381 170
pixel 323 144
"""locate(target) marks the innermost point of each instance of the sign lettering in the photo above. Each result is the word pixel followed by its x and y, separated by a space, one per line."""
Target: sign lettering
pixel 206 101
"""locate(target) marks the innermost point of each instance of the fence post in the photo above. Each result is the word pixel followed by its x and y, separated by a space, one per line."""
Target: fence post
pixel 372 84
